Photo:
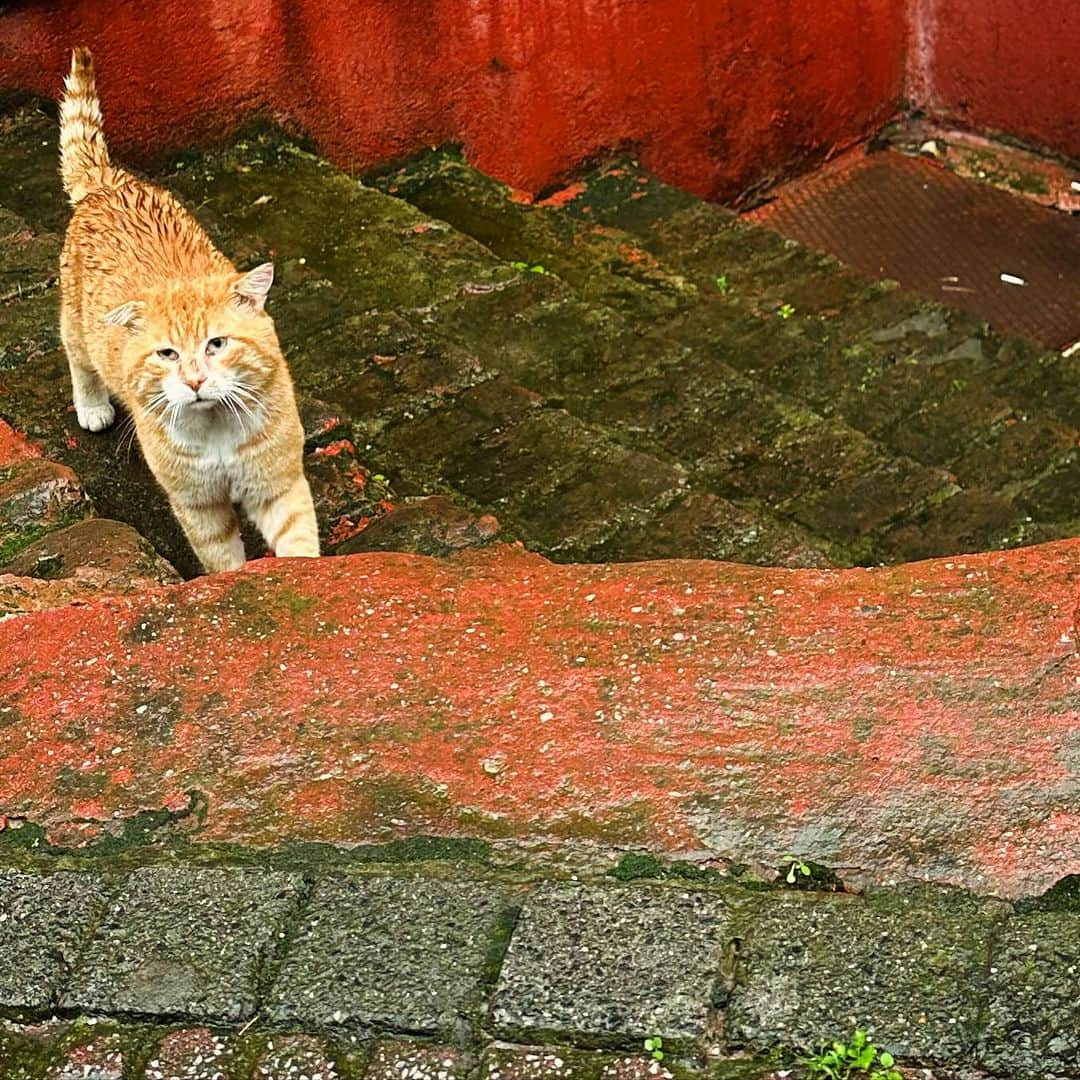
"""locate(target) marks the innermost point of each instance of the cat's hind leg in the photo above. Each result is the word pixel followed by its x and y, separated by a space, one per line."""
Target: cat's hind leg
pixel 93 408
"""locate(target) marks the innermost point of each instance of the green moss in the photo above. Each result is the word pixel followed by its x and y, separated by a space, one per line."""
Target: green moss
pixel 12 542
pixel 24 1057
pixel 1064 896
pixel 641 866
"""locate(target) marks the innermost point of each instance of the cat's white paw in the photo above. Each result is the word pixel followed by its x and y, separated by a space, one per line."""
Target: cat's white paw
pixel 95 417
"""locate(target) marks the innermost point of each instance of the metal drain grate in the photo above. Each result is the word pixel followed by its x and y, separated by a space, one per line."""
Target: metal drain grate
pixel 1012 262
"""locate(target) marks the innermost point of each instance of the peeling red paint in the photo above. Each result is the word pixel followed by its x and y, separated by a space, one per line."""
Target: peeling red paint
pixel 914 721
pixel 703 92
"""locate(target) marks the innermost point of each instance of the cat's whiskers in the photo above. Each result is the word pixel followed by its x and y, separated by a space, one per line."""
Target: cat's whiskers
pixel 249 393
pixel 126 442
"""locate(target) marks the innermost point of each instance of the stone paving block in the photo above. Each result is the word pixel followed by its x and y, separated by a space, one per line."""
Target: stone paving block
pixel 704 526
pixel 1043 382
pixel 594 964
pixel 184 941
pixel 397 954
pixel 371 367
pixel 619 193
pixel 44 920
pixel 1023 446
pixel 38 492
pixel 614 485
pixel 1033 1030
pixel 385 253
pixel 600 263
pixel 1056 497
pixel 906 966
pixel 970 520
pixel 191 1054
pixel 425 453
pixel 535 331
pixel 947 429
pixel 801 464
pixel 855 506
pixel 400 1060
pixel 434 525
pixel 509 464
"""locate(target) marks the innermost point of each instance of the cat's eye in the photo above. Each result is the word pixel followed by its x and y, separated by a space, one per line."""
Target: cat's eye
pixel 168 354
pixel 215 344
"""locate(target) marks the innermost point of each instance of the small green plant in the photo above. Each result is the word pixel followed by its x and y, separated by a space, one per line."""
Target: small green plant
pixel 655 1047
pixel 722 283
pixel 536 268
pixel 786 311
pixel 859 1058
pixel 796 867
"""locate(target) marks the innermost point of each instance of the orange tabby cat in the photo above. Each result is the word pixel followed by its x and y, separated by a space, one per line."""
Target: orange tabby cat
pixel 154 314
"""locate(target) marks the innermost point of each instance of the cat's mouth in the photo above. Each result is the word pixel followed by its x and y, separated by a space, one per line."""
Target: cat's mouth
pixel 202 404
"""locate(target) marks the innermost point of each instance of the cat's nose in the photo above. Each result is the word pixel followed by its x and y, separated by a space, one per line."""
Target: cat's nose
pixel 195 381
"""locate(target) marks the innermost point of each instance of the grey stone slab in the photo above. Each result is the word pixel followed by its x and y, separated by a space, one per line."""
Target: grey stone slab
pixel 44 920
pixel 390 954
pixel 184 941
pixel 1033 1028
pixel 594 964
pixel 907 966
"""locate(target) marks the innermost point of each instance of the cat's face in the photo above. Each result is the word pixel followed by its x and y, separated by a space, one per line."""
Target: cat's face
pixel 202 347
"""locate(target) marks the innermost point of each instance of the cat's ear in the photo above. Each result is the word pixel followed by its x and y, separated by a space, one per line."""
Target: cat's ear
pixel 128 315
pixel 250 289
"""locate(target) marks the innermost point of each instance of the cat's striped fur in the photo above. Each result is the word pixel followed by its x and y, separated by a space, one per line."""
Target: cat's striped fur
pixel 154 315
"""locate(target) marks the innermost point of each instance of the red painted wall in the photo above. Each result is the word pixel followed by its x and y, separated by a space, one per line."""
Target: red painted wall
pixel 1008 66
pixel 714 95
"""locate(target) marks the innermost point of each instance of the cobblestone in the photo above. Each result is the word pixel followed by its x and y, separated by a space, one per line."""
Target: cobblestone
pixel 589 963
pixel 184 942
pixel 43 921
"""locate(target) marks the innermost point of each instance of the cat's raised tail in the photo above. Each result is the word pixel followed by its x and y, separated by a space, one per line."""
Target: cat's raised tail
pixel 84 159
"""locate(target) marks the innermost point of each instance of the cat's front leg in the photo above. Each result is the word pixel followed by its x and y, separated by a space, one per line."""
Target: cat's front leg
pixel 287 520
pixel 213 532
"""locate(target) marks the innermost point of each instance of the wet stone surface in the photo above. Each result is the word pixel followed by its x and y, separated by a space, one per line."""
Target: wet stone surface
pixel 602 964
pixel 906 966
pixel 184 942
pixel 1034 1011
pixel 44 921
pixel 662 377
pixel 390 955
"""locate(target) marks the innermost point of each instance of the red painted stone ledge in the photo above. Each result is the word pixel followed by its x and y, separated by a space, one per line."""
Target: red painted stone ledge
pixel 920 721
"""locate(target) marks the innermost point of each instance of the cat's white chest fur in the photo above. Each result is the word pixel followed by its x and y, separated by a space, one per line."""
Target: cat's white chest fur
pixel 215 442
